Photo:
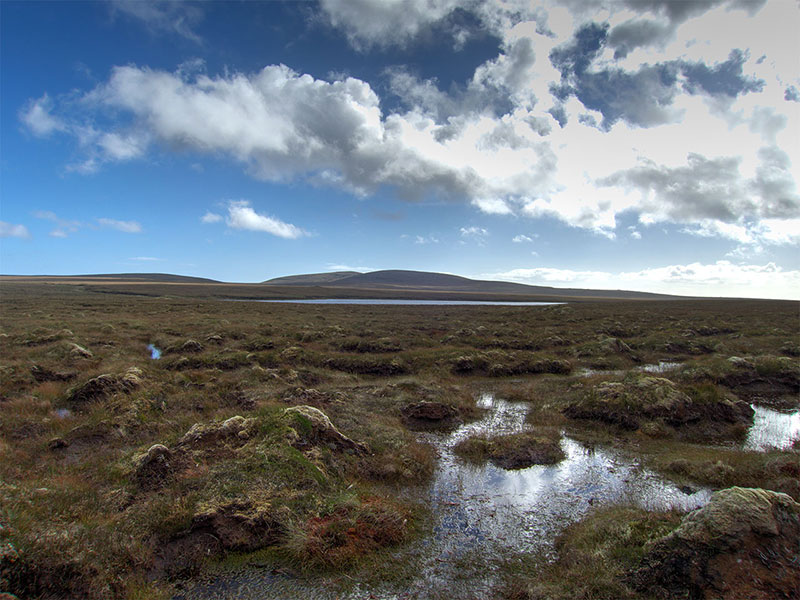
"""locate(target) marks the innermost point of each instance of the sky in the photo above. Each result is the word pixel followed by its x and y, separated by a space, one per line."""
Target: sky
pixel 648 145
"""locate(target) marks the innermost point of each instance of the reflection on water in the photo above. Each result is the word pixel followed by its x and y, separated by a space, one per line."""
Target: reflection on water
pixel 486 509
pixel 662 366
pixel 155 353
pixel 772 429
pixel 480 512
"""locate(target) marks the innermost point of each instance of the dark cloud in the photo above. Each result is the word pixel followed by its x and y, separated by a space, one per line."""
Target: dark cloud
pixel 723 79
pixel 575 57
pixel 678 11
pixel 791 94
pixel 640 97
pixel 559 114
pixel 634 34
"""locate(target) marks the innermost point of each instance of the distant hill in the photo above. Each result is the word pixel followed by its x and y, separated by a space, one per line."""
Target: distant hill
pixel 311 279
pixel 440 282
pixel 122 277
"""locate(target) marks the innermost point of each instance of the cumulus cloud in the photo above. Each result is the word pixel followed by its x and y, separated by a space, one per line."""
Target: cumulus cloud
pixel 242 216
pixel 123 226
pixel 490 140
pixel 713 189
pixel 385 22
pixel 12 230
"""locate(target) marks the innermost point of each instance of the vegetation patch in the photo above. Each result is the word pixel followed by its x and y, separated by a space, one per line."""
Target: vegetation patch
pixel 512 451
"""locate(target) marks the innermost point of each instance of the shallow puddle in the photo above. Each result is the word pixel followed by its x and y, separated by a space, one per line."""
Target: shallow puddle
pixel 772 430
pixel 483 512
pixel 663 366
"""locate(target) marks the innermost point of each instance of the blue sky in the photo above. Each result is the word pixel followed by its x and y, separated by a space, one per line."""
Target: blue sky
pixel 636 144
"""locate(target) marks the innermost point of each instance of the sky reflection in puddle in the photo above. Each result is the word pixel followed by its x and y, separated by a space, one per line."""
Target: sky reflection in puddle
pixel 772 430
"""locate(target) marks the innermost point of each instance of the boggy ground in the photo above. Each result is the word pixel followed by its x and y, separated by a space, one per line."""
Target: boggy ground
pixel 120 475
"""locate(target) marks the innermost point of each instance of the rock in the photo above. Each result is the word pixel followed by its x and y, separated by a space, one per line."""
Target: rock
pixel 742 544
pixel 77 351
pixel 313 427
pixel 429 412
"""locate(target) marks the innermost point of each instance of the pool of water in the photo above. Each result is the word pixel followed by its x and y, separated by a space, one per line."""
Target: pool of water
pixel 662 366
pixel 483 512
pixel 772 429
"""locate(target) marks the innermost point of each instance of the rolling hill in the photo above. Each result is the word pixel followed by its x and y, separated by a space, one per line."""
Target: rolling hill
pixel 401 280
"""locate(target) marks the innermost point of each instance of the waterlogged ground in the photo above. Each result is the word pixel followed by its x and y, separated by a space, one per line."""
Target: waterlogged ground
pixel 773 429
pixel 98 385
pixel 482 514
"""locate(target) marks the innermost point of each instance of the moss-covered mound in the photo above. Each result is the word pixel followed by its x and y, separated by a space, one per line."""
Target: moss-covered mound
pixel 512 451
pixel 642 400
pixel 743 544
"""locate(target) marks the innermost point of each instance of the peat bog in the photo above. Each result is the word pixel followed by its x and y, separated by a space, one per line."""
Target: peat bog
pixel 177 446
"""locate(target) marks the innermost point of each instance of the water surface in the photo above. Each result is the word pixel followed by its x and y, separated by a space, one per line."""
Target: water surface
pixel 482 512
pixel 772 430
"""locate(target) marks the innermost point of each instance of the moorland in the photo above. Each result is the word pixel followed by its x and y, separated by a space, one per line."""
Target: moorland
pixel 285 441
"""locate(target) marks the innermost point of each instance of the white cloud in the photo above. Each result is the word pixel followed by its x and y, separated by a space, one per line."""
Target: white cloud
pixel 12 230
pixel 385 22
pixel 473 231
pixel 64 227
pixel 242 216
pixel 36 115
pixel 492 140
pixel 124 226
pixel 211 217
pixel 332 267
pixel 722 278
pixel 421 240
